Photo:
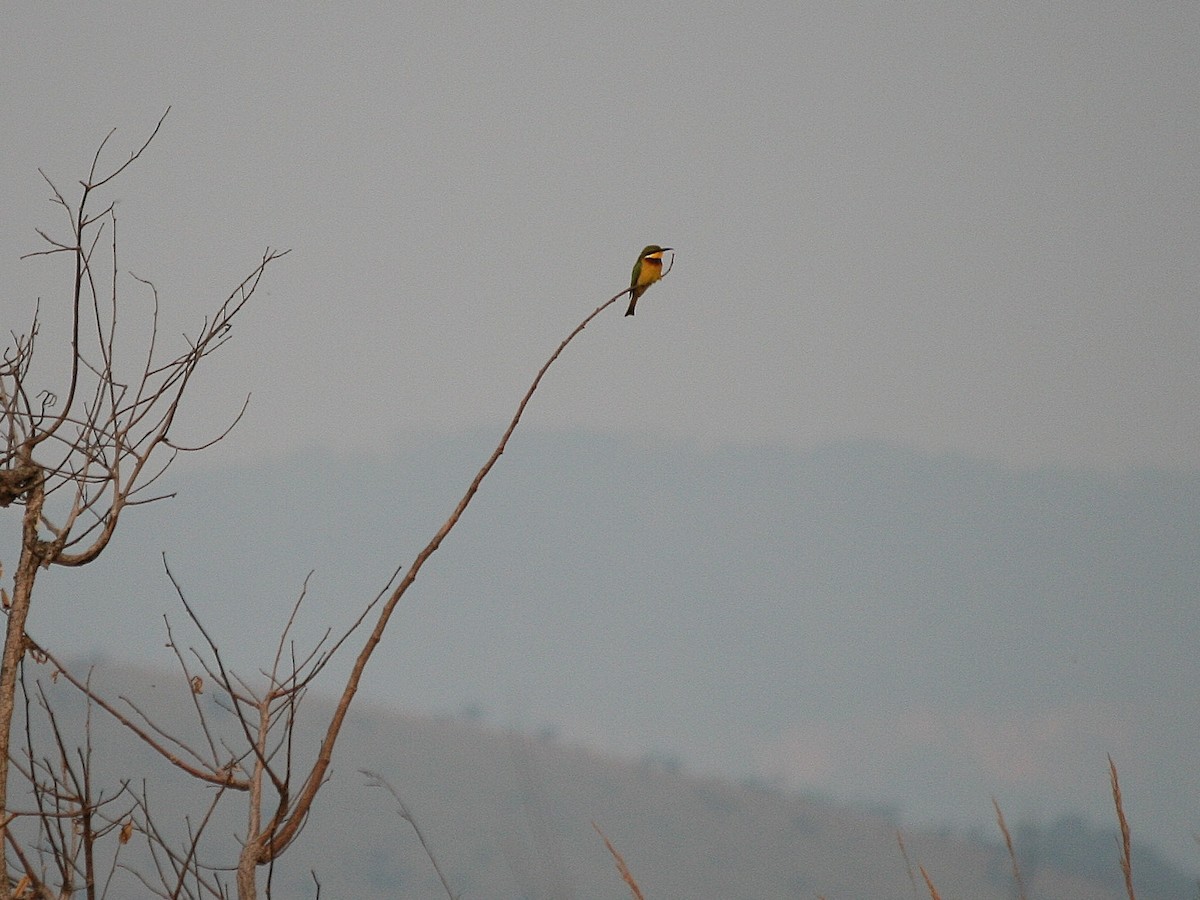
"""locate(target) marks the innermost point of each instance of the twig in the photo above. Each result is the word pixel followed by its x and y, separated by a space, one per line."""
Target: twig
pixel 217 777
pixel 280 840
pixel 377 780
pixel 933 894
pixel 912 876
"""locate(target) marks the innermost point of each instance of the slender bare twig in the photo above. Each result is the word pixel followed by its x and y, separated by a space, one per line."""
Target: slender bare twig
pixel 933 894
pixel 377 780
pixel 193 694
pixel 273 844
pixel 188 863
pixel 171 866
pixel 912 876
pixel 203 772
pixel 246 706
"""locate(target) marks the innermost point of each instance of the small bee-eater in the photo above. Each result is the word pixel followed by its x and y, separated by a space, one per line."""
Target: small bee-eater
pixel 646 271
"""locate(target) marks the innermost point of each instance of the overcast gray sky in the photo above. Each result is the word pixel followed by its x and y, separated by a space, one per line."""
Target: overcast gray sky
pixel 956 226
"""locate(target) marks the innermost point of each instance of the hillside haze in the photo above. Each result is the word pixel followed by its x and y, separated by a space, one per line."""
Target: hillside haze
pixel 883 627
pixel 509 817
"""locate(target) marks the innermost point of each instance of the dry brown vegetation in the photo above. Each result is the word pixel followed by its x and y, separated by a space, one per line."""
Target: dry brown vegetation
pixel 79 452
pixel 1018 882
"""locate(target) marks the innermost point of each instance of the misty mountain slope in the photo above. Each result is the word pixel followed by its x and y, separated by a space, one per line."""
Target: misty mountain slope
pixel 859 619
pixel 509 816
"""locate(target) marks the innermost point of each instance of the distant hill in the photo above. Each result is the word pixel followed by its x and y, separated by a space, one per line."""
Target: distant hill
pixel 509 816
pixel 858 621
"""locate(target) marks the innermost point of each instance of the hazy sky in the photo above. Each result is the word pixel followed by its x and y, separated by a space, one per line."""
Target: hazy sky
pixel 957 227
pixel 951 225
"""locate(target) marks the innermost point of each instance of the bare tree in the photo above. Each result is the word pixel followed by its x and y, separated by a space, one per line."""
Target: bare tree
pixel 77 453
pixel 89 458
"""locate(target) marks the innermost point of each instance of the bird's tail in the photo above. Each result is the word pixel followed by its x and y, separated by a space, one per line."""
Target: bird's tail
pixel 633 299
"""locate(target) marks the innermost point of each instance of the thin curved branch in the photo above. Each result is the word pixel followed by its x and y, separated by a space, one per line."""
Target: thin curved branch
pixel 82 265
pixel 275 843
pixel 221 777
pixel 92 183
pixel 376 780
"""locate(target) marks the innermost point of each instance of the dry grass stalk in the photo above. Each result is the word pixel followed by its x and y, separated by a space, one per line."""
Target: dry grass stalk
pixel 621 867
pixel 1126 865
pixel 1012 854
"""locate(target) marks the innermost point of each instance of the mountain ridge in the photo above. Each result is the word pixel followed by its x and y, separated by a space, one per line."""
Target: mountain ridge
pixel 509 815
pixel 859 619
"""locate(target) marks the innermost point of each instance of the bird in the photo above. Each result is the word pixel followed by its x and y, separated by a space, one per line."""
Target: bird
pixel 646 271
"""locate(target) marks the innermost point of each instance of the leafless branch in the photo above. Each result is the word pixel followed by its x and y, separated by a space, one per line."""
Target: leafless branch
pixel 273 844
pixel 933 892
pixel 203 772
pixel 912 877
pixel 376 780
pixel 80 452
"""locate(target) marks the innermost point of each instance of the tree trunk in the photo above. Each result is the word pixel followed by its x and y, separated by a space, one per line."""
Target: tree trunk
pixel 14 649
